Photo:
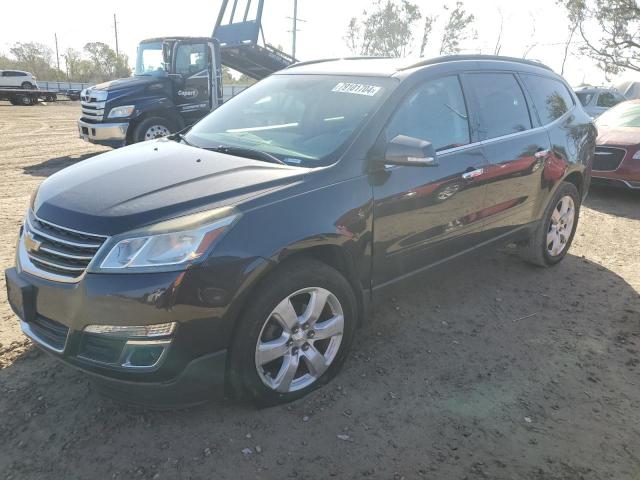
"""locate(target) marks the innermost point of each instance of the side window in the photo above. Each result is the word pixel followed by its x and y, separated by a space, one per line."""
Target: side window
pixel 501 104
pixel 191 59
pixel 607 100
pixel 435 112
pixel 550 97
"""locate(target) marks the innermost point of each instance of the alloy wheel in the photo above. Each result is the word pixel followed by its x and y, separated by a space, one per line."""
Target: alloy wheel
pixel 561 226
pixel 299 340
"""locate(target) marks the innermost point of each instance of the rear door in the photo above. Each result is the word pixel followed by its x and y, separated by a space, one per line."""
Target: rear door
pixel 515 147
pixel 423 215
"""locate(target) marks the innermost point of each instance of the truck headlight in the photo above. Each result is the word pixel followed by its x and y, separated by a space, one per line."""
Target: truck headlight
pixel 169 245
pixel 122 112
pixel 636 156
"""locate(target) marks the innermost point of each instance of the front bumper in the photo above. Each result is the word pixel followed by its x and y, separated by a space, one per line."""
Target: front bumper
pixel 109 134
pixel 54 316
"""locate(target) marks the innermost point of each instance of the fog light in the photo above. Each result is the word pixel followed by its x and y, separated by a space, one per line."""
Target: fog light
pixel 143 354
pixel 140 331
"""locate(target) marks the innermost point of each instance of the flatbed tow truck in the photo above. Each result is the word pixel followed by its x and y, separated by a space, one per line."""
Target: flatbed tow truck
pixel 178 80
pixel 27 96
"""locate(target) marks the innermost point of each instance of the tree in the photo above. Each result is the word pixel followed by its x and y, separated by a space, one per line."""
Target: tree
pixel 456 29
pixel 426 32
pixel 106 65
pixel 35 58
pixel 610 30
pixel 386 31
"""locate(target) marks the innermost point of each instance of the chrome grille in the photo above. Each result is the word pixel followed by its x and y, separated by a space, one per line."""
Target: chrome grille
pixel 59 250
pixel 608 159
pixel 92 103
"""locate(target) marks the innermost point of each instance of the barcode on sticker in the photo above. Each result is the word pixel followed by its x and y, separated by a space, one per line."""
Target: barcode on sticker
pixel 356 88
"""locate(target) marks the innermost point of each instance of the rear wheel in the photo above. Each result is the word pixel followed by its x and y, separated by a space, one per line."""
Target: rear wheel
pixel 24 100
pixel 151 128
pixel 27 85
pixel 552 238
pixel 295 334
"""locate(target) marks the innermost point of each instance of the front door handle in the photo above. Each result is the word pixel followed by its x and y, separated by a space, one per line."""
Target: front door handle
pixel 473 174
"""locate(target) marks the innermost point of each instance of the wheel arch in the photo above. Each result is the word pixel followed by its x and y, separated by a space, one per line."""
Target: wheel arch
pixel 157 112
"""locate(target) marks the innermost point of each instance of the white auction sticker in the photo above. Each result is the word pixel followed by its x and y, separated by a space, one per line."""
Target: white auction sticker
pixel 356 88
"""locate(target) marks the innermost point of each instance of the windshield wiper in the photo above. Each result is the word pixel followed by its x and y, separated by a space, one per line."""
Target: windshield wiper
pixel 179 137
pixel 248 153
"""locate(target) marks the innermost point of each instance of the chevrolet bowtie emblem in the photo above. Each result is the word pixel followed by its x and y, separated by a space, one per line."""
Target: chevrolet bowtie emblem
pixel 30 243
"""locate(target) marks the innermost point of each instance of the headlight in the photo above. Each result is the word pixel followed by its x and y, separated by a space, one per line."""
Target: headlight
pixel 168 245
pixel 636 156
pixel 121 112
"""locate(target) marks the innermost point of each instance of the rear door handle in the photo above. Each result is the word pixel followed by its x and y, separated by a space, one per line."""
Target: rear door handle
pixel 473 174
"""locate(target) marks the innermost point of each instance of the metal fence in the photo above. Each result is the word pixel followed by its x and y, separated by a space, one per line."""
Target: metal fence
pixel 56 86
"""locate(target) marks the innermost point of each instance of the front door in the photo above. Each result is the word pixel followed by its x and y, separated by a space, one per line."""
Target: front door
pixel 192 82
pixel 425 214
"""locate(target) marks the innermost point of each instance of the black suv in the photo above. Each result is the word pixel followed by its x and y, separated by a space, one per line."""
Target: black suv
pixel 242 255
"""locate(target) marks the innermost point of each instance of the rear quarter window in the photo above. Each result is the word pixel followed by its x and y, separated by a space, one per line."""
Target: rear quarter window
pixel 550 97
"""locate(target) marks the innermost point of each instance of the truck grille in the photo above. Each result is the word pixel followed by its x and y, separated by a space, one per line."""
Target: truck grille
pixel 92 103
pixel 608 159
pixel 59 250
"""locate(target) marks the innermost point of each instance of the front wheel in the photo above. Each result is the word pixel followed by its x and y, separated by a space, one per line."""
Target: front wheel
pixel 552 238
pixel 151 128
pixel 294 335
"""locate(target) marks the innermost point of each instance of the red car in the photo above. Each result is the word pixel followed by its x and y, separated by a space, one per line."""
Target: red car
pixel 617 159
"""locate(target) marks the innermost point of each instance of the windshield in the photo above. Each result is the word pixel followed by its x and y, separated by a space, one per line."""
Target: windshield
pixel 623 115
pixel 301 119
pixel 149 60
pixel 584 98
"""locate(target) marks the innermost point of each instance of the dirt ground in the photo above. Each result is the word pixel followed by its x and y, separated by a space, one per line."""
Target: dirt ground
pixel 487 370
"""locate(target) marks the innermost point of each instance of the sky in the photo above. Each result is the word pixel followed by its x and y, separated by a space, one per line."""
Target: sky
pixel 539 27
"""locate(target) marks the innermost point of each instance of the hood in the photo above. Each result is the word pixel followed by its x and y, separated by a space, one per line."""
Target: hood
pixel 153 181
pixel 129 82
pixel 623 136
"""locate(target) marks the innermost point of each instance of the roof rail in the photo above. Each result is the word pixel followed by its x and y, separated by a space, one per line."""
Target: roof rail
pixel 334 59
pixel 454 58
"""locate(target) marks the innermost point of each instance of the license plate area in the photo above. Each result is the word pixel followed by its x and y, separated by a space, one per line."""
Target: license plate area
pixel 21 296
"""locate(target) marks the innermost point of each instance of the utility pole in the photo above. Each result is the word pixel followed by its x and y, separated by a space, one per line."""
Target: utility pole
pixel 55 35
pixel 295 20
pixel 295 27
pixel 115 27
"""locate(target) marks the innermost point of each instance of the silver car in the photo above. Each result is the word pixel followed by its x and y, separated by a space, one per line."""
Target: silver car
pixel 597 100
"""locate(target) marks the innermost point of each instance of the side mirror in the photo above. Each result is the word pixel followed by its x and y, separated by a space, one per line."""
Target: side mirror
pixel 410 151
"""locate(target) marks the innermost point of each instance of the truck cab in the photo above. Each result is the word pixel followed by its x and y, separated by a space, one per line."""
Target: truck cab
pixel 177 81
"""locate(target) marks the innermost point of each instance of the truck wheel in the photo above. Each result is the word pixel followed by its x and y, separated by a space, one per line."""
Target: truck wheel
pixel 152 127
pixel 294 335
pixel 24 100
pixel 27 85
pixel 552 238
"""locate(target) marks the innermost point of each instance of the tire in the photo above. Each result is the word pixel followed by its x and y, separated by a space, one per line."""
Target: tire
pixel 24 100
pixel 27 85
pixel 253 376
pixel 542 249
pixel 161 125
